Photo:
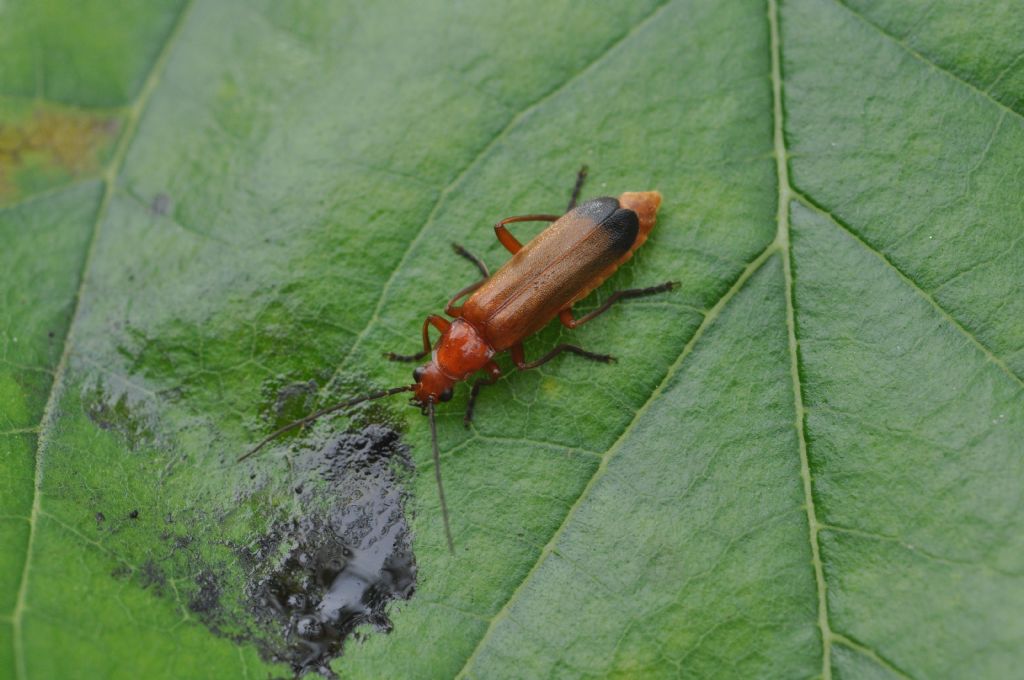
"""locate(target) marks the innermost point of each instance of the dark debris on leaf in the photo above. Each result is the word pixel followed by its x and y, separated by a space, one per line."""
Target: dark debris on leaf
pixel 316 579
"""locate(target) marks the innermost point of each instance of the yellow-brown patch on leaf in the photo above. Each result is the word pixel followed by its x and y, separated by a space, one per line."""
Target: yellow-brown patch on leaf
pixel 50 146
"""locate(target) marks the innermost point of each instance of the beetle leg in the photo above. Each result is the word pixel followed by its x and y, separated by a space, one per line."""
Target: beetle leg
pixel 581 177
pixel 495 372
pixel 566 317
pixel 505 236
pixel 472 258
pixel 391 356
pixel 520 360
pixel 450 309
pixel 438 322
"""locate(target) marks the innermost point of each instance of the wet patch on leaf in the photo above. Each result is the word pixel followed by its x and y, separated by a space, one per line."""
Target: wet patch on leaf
pixel 313 546
pixel 315 580
pixel 300 590
pixel 284 401
pixel 45 146
pixel 117 410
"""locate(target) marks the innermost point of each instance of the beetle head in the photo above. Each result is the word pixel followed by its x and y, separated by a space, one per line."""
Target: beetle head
pixel 431 384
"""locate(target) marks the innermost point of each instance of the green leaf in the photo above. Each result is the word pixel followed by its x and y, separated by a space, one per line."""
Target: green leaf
pixel 806 462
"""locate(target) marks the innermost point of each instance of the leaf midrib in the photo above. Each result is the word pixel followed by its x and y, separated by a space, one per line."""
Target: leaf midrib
pixel 780 245
pixel 784 226
pixel 46 420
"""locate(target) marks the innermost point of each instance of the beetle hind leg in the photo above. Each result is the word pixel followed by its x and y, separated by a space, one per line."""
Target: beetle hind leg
pixel 523 365
pixel 569 321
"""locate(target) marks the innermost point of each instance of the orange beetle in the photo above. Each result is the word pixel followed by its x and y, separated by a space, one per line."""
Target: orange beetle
pixel 542 280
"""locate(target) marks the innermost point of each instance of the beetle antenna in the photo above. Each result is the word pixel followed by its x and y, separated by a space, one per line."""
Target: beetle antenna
pixel 437 475
pixel 321 413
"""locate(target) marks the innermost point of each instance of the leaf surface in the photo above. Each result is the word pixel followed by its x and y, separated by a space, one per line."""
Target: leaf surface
pixel 806 462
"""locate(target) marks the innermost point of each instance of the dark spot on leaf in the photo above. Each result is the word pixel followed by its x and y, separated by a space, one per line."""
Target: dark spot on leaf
pixel 100 517
pixel 207 598
pixel 134 514
pixel 161 204
pixel 113 410
pixel 293 401
pixel 152 576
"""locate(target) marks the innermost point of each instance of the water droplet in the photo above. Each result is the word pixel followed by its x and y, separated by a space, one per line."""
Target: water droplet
pixel 309 628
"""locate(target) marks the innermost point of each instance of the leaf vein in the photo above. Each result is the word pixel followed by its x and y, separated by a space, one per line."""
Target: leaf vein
pixel 782 240
pixel 1002 74
pixel 871 654
pixel 917 550
pixel 987 351
pixel 47 193
pixel 48 415
pixel 925 60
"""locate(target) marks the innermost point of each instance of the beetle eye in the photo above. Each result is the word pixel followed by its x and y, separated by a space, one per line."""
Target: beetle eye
pixel 446 395
pixel 417 373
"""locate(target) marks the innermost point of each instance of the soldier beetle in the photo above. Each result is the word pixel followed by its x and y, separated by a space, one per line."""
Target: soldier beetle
pixel 542 280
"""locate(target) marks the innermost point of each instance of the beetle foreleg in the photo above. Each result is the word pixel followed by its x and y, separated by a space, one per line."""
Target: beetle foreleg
pixel 438 322
pixel 567 319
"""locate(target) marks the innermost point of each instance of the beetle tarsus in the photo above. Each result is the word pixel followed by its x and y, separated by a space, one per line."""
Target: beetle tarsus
pixel 581 177
pixel 660 288
pixel 391 356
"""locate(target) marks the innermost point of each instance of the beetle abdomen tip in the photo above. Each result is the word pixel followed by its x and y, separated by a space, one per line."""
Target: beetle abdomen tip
pixel 645 204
